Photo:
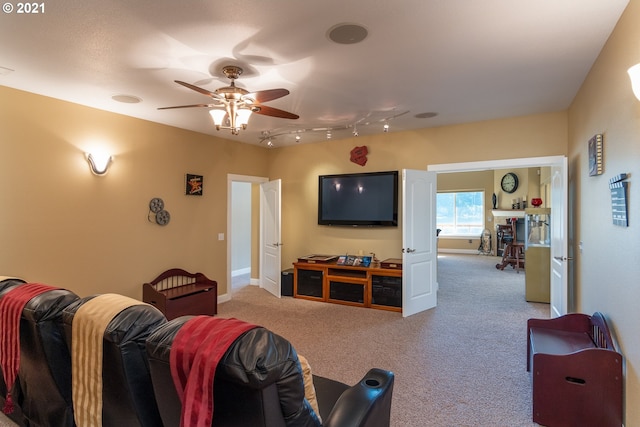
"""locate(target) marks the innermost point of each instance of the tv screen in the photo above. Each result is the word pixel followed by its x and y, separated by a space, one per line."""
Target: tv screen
pixel 359 199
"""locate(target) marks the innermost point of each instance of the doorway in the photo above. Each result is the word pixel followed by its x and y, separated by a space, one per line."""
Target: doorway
pixel 243 228
pixel 240 237
pixel 561 297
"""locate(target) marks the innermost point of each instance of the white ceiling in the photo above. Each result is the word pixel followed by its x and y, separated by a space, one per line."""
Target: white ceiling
pixel 463 59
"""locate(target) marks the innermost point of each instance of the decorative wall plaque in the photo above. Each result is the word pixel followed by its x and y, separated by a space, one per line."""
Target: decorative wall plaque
pixel 596 165
pixel 194 185
pixel 619 210
pixel 359 155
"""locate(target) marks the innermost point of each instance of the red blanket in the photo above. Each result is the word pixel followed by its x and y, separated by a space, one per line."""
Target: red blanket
pixel 11 306
pixel 196 350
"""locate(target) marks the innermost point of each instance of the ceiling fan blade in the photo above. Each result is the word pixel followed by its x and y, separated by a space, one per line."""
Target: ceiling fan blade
pixel 268 95
pixel 189 106
pixel 198 89
pixel 274 112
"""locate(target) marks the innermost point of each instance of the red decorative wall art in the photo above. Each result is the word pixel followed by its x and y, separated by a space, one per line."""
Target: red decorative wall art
pixel 359 155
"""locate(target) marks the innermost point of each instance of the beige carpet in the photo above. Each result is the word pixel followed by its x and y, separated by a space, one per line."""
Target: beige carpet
pixel 460 364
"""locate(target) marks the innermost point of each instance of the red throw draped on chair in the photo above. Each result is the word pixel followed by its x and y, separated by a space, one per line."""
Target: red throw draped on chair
pixel 11 306
pixel 195 353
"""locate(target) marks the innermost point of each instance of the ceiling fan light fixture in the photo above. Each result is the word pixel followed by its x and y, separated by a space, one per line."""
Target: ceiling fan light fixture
pixel 218 117
pixel 232 106
pixel 242 117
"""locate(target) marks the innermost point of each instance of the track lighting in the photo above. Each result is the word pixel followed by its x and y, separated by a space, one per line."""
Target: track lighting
pixel 366 120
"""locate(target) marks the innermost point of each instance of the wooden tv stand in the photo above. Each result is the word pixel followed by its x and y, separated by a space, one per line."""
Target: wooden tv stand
pixel 371 287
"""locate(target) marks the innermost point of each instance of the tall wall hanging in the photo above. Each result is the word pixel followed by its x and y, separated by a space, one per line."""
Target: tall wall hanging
pixel 619 209
pixel 596 161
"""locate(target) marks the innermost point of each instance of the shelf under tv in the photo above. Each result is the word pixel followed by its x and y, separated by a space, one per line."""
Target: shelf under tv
pixel 370 287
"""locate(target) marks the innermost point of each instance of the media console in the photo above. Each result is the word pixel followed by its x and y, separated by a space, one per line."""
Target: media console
pixel 372 287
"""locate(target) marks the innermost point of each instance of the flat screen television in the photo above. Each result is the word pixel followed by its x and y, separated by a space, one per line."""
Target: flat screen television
pixel 359 199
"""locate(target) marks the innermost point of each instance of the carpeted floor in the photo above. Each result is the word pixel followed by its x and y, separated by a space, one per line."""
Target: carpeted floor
pixel 460 364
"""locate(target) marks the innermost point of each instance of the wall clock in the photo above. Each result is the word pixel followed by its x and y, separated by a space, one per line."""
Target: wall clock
pixel 509 182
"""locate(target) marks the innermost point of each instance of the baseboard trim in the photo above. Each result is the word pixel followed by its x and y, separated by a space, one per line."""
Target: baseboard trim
pixel 241 271
pixel 458 251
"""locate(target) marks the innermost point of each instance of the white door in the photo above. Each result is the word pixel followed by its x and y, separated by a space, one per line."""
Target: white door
pixel 419 250
pixel 559 239
pixel 270 252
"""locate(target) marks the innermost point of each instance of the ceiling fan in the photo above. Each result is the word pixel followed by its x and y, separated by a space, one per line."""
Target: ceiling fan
pixel 232 106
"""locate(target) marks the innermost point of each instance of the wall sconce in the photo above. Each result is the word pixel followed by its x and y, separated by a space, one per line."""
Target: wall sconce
pixel 99 162
pixel 634 75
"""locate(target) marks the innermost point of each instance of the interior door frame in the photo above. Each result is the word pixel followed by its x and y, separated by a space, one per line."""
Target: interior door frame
pixel 526 162
pixel 231 178
pixel 419 247
pixel 271 228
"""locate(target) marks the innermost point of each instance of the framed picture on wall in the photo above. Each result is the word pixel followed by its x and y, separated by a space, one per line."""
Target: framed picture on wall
pixel 194 185
pixel 596 166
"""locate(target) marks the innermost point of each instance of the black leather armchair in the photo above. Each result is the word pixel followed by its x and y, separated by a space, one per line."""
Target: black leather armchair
pixel 42 393
pixel 258 383
pixel 128 398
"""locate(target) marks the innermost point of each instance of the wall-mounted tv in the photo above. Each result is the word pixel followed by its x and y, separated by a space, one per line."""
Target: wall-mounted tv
pixel 359 199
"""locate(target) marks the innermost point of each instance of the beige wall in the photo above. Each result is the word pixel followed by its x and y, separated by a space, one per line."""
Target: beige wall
pixel 299 167
pixel 607 269
pixel 63 226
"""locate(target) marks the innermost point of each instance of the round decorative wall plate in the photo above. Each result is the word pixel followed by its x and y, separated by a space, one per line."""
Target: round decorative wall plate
pixel 163 217
pixel 156 205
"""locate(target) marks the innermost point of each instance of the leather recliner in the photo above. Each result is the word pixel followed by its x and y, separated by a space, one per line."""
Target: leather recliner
pixel 127 392
pixel 258 383
pixel 42 392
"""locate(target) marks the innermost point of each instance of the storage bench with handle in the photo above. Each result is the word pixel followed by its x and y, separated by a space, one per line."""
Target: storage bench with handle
pixel 177 292
pixel 576 371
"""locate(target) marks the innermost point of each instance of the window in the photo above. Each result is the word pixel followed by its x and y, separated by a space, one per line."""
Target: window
pixel 460 213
